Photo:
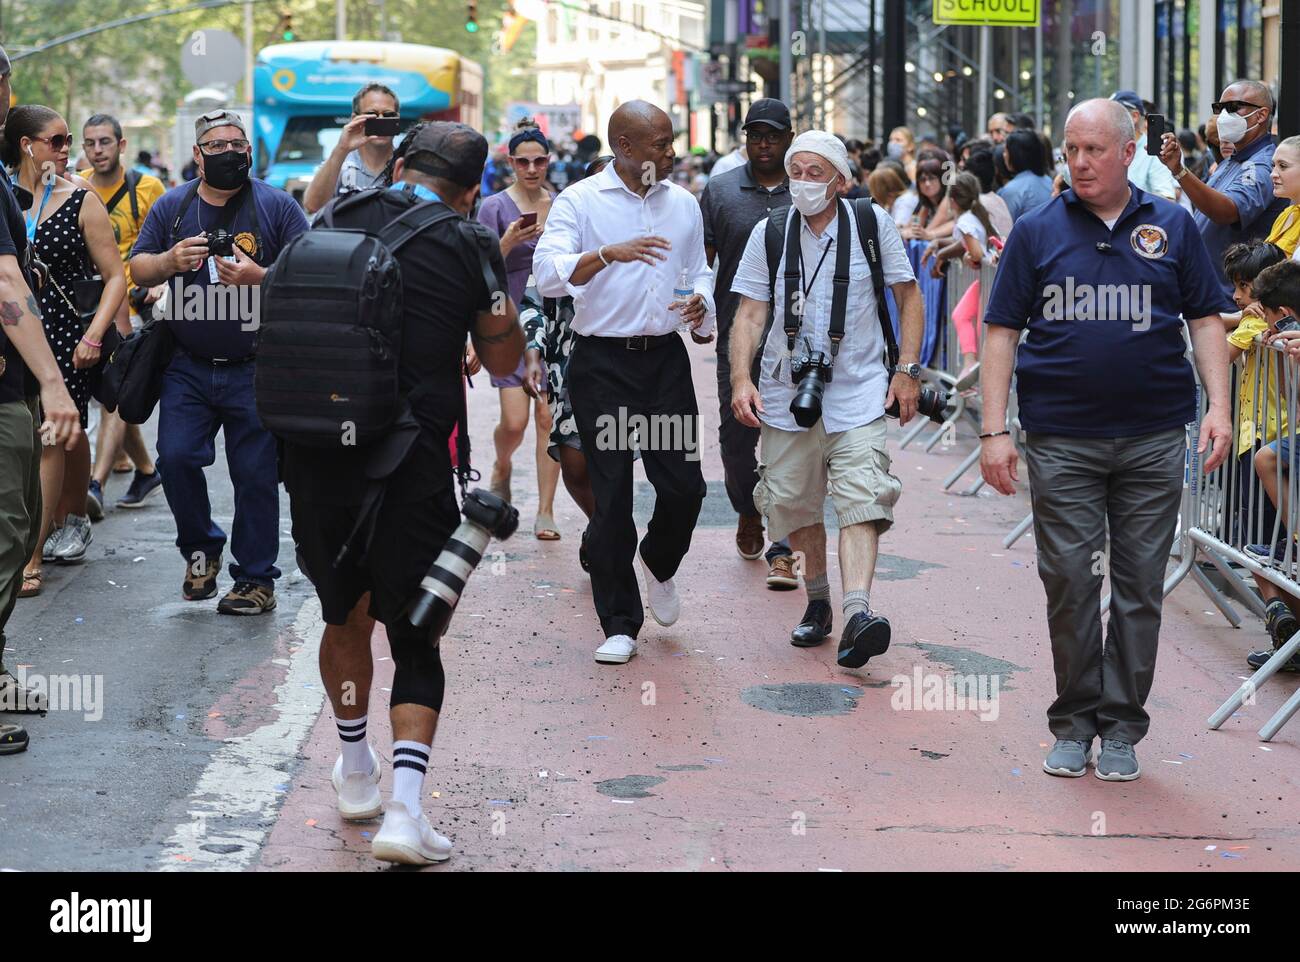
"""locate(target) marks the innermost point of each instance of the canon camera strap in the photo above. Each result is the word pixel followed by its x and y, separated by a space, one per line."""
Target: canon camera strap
pixel 794 303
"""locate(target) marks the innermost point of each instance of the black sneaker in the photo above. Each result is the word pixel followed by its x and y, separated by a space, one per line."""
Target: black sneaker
pixel 583 560
pixel 1258 659
pixel 1280 622
pixel 142 485
pixel 865 636
pixel 13 738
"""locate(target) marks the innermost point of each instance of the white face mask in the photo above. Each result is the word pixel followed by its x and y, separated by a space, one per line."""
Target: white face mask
pixel 1233 127
pixel 809 197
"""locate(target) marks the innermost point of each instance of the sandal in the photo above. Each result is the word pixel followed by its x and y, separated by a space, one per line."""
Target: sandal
pixel 31 583
pixel 544 528
pixel 501 488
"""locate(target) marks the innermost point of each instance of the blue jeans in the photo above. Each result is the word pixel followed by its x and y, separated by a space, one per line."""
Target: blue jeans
pixel 198 398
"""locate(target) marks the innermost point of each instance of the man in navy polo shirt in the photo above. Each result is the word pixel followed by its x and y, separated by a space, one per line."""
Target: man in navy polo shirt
pixel 1103 277
pixel 213 310
pixel 1237 203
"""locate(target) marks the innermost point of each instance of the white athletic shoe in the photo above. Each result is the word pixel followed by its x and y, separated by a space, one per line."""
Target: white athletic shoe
pixel 408 840
pixel 665 606
pixel 617 650
pixel 359 797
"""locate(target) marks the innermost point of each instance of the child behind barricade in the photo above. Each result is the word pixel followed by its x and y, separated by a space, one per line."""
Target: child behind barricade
pixel 972 234
pixel 1262 420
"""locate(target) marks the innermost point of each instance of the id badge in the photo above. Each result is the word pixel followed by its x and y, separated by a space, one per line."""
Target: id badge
pixel 212 269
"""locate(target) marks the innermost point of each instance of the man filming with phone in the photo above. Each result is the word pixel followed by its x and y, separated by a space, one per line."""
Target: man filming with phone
pixel 360 159
pixel 1146 173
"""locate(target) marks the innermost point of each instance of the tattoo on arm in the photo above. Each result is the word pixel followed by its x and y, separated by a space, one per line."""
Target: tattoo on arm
pixel 33 306
pixel 10 313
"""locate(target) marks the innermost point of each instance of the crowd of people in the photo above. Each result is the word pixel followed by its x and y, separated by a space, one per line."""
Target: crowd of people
pixel 572 280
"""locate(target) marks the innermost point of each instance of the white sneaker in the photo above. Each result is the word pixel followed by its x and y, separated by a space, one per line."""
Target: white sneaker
pixel 408 840
pixel 665 606
pixel 617 650
pixel 52 544
pixel 359 797
pixel 77 536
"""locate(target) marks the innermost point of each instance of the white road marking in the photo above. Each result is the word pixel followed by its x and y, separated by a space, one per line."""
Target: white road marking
pixel 238 796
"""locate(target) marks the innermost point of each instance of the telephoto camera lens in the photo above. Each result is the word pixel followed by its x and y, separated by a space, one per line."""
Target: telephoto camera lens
pixel 931 403
pixel 486 516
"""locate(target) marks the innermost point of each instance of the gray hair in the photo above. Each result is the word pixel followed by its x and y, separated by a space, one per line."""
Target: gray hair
pixel 1112 110
pixel 1262 89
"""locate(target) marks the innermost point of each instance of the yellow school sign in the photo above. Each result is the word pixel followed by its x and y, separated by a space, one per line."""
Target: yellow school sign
pixel 993 13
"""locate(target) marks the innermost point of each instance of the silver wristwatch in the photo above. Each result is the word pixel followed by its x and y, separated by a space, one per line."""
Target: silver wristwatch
pixel 911 370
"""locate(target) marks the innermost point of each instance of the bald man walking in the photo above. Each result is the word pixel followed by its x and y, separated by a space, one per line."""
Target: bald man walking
pixel 628 246
pixel 1102 277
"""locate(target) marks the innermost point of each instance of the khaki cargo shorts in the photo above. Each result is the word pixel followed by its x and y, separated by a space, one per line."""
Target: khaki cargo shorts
pixel 797 468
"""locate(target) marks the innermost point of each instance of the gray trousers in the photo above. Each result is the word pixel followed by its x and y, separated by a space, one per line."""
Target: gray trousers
pixel 1078 485
pixel 20 500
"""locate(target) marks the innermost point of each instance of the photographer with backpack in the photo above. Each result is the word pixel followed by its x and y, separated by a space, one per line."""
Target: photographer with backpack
pixel 821 405
pixel 370 483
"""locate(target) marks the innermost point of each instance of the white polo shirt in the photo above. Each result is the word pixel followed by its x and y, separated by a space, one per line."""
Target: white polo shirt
pixel 856 394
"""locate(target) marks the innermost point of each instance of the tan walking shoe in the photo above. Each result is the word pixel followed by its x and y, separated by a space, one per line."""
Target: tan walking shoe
pixel 749 537
pixel 781 575
pixel 247 598
pixel 199 587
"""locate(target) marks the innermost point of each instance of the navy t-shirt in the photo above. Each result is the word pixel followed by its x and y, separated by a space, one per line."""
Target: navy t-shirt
pixel 14 383
pixel 279 220
pixel 1105 355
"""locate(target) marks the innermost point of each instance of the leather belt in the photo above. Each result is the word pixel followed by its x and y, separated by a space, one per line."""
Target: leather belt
pixel 638 342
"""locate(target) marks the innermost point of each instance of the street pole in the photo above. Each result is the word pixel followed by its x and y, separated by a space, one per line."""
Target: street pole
pixel 248 52
pixel 340 19
pixel 821 68
pixel 893 108
pixel 787 62
pixel 1038 77
pixel 986 76
pixel 1288 117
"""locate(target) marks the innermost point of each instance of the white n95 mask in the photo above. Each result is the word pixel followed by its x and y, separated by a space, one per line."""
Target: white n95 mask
pixel 808 196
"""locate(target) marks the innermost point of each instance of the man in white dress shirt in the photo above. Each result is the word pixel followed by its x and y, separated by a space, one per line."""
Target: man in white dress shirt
pixel 620 243
pixel 845 445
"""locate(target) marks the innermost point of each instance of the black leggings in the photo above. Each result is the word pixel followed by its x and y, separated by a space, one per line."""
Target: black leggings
pixel 418 678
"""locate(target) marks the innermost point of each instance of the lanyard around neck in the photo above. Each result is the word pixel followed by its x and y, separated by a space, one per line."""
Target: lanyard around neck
pixel 35 221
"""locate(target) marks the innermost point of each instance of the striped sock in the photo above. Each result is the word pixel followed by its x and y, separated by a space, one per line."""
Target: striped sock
pixel 410 762
pixel 356 749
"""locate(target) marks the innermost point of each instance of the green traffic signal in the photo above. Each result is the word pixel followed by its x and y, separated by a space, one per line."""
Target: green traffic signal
pixel 471 26
pixel 288 35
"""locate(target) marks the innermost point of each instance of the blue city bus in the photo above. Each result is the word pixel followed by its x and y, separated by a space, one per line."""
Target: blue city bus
pixel 303 96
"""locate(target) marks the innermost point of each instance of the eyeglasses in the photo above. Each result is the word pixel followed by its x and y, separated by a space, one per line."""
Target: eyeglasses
pixel 1233 106
pixel 58 142
pixel 764 137
pixel 221 146
pixel 102 142
pixel 386 114
pixel 530 162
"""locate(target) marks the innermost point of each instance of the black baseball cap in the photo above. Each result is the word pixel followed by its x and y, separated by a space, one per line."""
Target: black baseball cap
pixel 442 148
pixel 768 111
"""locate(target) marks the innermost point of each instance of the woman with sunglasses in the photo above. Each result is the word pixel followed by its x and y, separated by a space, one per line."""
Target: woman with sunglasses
pixel 70 233
pixel 518 214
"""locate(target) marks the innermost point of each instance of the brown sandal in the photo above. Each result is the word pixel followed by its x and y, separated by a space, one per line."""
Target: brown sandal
pixel 31 583
pixel 544 528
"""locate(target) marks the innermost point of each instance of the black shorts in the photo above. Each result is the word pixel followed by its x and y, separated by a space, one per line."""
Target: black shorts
pixel 408 538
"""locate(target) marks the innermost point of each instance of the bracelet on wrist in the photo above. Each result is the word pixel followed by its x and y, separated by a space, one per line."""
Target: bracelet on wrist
pixel 95 344
pixel 600 252
pixel 994 434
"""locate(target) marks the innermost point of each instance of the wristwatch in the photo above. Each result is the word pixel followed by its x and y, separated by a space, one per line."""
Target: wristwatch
pixel 911 370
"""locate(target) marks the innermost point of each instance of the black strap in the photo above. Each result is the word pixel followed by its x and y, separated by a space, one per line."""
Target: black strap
pixel 129 183
pixel 869 237
pixel 228 213
pixel 413 222
pixel 793 275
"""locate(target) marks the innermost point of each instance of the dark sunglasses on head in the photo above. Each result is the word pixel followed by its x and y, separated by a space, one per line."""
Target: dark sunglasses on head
pixel 1233 106
pixel 57 142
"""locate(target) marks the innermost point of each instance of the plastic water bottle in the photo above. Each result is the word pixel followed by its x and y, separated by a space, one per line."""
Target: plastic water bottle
pixel 682 293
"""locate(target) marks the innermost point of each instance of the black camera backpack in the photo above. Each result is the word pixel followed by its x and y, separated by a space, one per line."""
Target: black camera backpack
pixel 329 340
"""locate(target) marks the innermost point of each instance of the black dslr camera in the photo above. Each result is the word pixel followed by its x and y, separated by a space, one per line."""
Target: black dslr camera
pixel 931 403
pixel 221 242
pixel 486 516
pixel 810 372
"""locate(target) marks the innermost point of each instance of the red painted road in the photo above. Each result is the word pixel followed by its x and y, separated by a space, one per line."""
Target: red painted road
pixel 530 768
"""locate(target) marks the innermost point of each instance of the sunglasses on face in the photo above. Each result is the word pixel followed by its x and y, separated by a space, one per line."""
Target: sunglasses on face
pixel 530 162
pixel 1233 106
pixel 58 142
pixel 221 146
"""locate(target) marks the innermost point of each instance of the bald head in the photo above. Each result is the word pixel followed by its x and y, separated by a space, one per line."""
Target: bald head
pixel 1104 117
pixel 641 138
pixel 1099 147
pixel 636 120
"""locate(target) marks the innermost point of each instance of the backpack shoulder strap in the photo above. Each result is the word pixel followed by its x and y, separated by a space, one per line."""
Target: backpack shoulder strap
pixel 869 238
pixel 773 243
pixel 481 238
pixel 132 181
pixel 414 222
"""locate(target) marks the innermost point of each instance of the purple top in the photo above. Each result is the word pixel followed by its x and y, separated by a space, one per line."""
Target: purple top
pixel 498 212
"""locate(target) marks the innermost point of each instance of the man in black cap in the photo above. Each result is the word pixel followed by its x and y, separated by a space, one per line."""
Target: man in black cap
pixel 732 204
pixel 445 297
pixel 27 370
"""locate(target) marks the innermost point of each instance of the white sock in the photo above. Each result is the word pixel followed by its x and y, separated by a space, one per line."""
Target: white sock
pixel 410 762
pixel 356 747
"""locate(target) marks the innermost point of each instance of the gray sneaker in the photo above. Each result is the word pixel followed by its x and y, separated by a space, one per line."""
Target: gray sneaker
pixel 1068 758
pixel 52 544
pixel 1118 762
pixel 77 536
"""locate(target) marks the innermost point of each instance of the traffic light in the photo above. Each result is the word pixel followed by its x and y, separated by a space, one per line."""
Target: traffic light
pixel 287 33
pixel 471 16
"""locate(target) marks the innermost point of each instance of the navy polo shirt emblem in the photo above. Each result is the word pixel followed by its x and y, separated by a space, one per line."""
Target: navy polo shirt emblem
pixel 1150 240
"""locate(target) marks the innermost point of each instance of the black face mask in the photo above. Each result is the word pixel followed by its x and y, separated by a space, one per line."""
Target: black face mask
pixel 226 171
